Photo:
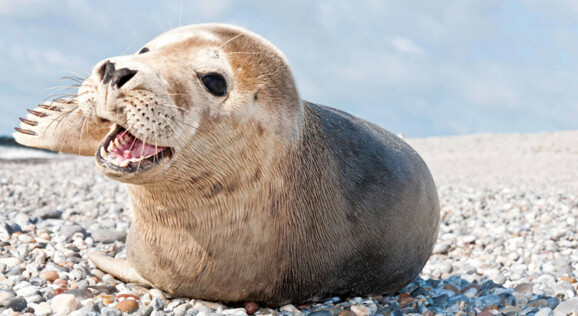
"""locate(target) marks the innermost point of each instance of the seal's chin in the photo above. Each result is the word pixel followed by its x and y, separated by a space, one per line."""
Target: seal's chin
pixel 123 152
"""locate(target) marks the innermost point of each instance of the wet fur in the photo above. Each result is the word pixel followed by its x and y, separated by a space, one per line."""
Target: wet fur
pixel 268 198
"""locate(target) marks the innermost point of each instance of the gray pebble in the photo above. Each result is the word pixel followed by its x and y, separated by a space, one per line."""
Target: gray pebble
pixel 48 213
pixel 6 294
pixel 36 298
pixel 108 311
pixel 546 311
pixel 324 312
pixel 158 303
pixel 81 294
pixel 191 312
pixel 441 248
pixel 17 303
pixel 567 307
pixel 108 235
pixel 27 291
pixel 144 310
pixel 564 289
pixel 7 229
pixel 69 230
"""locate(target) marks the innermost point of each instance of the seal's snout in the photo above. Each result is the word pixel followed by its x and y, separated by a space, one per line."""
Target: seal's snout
pixel 117 78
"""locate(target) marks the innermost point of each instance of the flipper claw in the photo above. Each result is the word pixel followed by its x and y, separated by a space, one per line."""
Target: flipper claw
pixel 37 113
pixel 50 107
pixel 27 121
pixel 26 131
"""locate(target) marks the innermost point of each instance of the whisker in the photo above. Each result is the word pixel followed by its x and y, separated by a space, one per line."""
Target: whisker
pixel 173 129
pixel 176 107
pixel 78 80
pixel 76 74
pixel 185 123
pixel 161 94
pixel 58 120
pixel 145 141
pixel 156 142
pixel 230 40
pixel 80 137
pixel 180 13
pixel 127 48
pixel 161 26
pixel 60 95
pixel 59 87
pixel 244 53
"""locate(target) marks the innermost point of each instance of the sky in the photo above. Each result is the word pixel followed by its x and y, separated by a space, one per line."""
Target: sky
pixel 421 68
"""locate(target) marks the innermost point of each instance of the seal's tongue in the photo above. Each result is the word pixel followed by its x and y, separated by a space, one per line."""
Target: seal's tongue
pixel 126 148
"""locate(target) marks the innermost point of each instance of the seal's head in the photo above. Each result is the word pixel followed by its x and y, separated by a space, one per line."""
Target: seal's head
pixel 186 94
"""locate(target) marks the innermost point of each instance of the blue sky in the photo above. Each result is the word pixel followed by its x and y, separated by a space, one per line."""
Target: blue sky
pixel 422 68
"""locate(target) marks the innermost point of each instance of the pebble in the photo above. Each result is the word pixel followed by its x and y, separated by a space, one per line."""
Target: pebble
pixel 42 309
pixel 69 230
pixel 127 306
pixel 107 311
pixel 441 248
pixel 235 312
pixel 64 303
pixel 27 291
pixel 108 235
pixel 360 310
pixel 157 293
pixel 17 303
pixel 567 308
pixel 6 294
pixel 323 312
pixel 48 213
pixel 10 262
pixel 251 307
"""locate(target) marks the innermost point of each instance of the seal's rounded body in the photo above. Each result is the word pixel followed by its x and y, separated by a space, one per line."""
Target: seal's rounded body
pixel 241 191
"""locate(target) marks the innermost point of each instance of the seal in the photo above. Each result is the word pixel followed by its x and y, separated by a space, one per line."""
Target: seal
pixel 240 190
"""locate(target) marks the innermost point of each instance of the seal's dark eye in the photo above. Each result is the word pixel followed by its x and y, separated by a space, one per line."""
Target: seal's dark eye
pixel 215 83
pixel 143 50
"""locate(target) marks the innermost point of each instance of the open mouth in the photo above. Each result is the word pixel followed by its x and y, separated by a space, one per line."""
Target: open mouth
pixel 122 151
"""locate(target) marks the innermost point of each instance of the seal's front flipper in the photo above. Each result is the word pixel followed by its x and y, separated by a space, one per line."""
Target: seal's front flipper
pixel 61 126
pixel 119 268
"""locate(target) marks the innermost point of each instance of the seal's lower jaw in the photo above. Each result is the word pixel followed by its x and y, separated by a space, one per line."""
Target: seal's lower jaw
pixel 121 153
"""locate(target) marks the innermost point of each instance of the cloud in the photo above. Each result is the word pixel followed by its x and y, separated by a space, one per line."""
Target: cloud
pixel 46 62
pixel 18 8
pixel 406 45
pixel 213 8
pixel 491 93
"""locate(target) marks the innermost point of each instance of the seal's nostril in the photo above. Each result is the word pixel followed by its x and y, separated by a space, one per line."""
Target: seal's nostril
pixel 117 78
pixel 122 76
pixel 106 72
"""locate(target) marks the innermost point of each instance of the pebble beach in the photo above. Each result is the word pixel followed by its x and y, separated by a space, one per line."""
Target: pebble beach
pixel 506 246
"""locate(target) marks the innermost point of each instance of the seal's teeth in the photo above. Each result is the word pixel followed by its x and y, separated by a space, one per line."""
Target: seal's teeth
pixel 103 152
pixel 110 146
pixel 136 160
pixel 117 142
pixel 124 163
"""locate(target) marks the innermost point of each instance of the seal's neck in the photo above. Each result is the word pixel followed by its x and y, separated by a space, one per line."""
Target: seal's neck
pixel 244 178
